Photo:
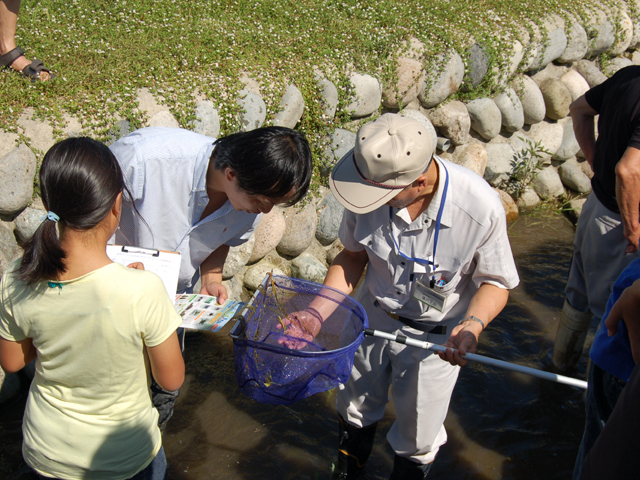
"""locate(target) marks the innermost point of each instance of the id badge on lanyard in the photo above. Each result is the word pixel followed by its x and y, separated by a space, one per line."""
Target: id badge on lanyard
pixel 428 294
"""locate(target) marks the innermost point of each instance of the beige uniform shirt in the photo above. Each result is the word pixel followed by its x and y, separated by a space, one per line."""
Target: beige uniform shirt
pixel 473 247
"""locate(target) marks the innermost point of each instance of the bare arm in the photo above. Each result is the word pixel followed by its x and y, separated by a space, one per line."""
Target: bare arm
pixel 583 126
pixel 486 304
pixel 343 275
pixel 167 364
pixel 628 195
pixel 211 273
pixel 15 355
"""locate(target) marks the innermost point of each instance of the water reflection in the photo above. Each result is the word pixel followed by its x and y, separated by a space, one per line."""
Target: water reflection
pixel 501 425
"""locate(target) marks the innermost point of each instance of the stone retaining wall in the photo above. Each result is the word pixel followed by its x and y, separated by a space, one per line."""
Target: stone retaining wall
pixel 534 90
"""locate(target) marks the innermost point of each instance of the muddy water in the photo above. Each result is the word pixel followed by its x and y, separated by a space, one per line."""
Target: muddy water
pixel 501 425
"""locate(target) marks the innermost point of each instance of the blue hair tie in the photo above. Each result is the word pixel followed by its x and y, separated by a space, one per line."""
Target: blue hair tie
pixel 55 285
pixel 51 216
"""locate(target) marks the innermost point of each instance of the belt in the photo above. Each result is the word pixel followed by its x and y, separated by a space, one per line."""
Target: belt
pixel 422 326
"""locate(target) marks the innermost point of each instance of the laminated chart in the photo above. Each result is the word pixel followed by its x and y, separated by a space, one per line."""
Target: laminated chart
pixel 202 312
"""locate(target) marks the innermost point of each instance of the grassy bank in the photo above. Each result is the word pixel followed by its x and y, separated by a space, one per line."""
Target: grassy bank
pixel 103 51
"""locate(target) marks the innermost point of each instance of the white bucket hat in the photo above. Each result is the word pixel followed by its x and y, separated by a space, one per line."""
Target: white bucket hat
pixel 390 154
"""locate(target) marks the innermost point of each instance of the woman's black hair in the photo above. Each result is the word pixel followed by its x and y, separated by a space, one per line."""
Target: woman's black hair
pixel 271 161
pixel 80 180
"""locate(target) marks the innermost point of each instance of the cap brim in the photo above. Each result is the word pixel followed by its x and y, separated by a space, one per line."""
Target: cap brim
pixel 353 192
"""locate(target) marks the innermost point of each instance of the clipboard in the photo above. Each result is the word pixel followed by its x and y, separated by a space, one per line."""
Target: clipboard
pixel 164 263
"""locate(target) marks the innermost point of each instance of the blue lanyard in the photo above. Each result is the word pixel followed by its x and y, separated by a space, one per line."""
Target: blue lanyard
pixel 437 230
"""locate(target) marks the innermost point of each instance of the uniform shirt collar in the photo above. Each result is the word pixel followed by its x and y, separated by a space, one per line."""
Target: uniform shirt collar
pixel 425 219
pixel 202 165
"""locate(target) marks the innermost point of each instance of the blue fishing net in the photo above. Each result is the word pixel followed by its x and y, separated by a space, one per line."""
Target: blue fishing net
pixel 268 371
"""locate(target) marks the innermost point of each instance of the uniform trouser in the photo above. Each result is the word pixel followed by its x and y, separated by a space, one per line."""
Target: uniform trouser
pixel 598 258
pixel 421 385
pixel 164 400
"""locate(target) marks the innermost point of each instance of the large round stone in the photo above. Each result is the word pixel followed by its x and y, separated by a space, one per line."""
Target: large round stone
pixel 268 234
pixel 329 218
pixel 472 156
pixel 290 109
pixel 604 33
pixel 207 120
pixel 569 146
pixel 409 79
pixel 39 132
pixel 550 137
pixel 548 184
pixel 511 110
pixel 329 97
pixel 333 250
pixel 528 199
pixel 254 110
pixel 477 67
pixel 486 118
pixel 574 208
pixel 554 46
pixel 575 83
pixel 8 245
pixel 237 258
pixel 505 67
pixel 308 267
pixel 577 44
pixel 550 71
pixel 255 274
pixel 590 72
pixel 443 79
pixel 17 169
pixel 28 222
pixel 366 94
pixel 557 98
pixel 164 118
pixel 616 64
pixel 452 119
pixel 531 98
pixel 510 207
pixel 624 34
pixel 340 143
pixel 573 177
pixel 500 158
pixel 300 229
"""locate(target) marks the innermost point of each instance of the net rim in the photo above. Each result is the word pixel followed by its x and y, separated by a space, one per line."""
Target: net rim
pixel 353 306
pixel 241 342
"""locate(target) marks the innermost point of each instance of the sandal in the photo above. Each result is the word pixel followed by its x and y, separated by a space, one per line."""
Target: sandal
pixel 31 71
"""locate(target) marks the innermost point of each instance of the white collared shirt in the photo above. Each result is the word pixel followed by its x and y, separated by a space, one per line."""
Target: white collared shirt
pixel 165 170
pixel 473 247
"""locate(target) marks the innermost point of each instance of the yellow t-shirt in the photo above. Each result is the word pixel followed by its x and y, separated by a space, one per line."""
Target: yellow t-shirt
pixel 89 413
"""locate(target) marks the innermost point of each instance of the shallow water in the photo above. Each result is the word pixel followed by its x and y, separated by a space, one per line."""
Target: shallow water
pixel 501 425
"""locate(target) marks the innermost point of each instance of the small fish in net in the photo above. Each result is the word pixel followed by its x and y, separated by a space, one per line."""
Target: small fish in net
pixel 281 354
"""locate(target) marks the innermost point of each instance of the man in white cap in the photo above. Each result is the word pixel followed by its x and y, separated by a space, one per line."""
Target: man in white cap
pixel 433 237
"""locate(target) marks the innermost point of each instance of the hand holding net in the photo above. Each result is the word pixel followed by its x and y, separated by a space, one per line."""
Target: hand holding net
pixel 304 325
pixel 284 350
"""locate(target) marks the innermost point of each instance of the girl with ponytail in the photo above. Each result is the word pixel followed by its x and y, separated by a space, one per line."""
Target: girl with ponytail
pixel 94 327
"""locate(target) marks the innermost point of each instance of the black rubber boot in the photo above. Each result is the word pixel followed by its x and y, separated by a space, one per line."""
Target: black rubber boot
pixel 354 450
pixel 405 469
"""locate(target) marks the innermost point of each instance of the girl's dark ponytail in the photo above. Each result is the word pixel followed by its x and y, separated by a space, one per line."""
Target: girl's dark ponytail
pixel 80 180
pixel 43 256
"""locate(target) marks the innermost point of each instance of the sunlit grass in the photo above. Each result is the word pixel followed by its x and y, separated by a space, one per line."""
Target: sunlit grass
pixel 103 51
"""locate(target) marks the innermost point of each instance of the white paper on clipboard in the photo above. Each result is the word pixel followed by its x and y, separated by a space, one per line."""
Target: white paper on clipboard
pixel 163 263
